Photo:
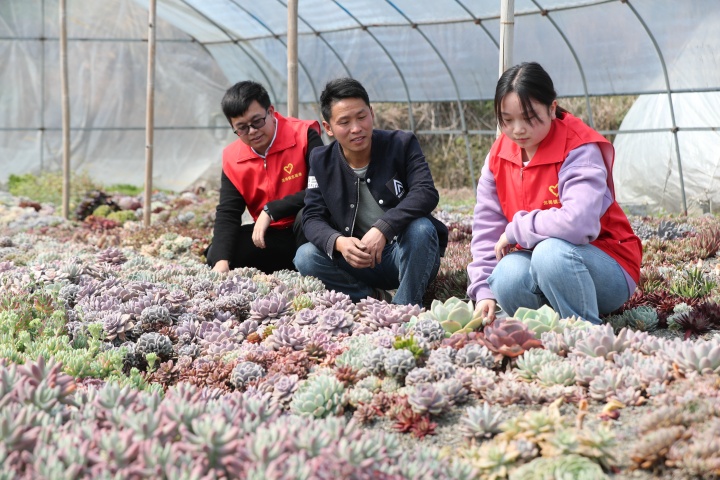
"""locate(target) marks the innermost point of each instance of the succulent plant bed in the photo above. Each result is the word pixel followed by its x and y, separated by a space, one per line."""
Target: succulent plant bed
pixel 123 356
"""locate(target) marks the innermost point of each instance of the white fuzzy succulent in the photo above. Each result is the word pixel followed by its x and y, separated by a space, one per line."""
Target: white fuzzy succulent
pixel 371 382
pixel 389 385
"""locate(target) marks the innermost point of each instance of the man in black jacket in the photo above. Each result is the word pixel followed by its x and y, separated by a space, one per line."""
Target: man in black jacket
pixel 367 206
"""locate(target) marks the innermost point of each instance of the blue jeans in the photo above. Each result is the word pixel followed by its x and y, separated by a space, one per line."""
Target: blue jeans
pixel 408 264
pixel 579 280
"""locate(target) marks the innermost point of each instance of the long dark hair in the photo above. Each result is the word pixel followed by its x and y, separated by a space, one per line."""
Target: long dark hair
pixel 530 82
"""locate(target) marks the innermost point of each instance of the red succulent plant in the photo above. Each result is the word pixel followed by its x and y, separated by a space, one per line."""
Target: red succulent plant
pixel 510 338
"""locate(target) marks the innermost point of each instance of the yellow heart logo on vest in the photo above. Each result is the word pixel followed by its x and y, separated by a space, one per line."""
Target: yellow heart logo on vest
pixel 554 189
pixel 288 168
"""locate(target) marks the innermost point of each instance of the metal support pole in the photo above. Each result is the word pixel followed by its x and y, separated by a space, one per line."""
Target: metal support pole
pixel 65 101
pixel 150 114
pixel 292 56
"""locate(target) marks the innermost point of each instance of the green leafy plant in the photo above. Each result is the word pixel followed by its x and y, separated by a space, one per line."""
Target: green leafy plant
pixel 46 187
pixel 409 343
pixel 122 216
pixel 124 189
pixel 693 284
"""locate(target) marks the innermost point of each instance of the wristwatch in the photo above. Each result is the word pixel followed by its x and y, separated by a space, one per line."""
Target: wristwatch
pixel 266 209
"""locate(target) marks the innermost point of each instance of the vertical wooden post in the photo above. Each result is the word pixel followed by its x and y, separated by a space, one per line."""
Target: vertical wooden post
pixel 507 27
pixel 292 56
pixel 65 105
pixel 150 114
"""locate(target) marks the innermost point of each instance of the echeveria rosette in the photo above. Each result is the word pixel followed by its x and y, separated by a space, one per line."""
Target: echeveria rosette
pixel 509 337
pixel 245 372
pixel 426 398
pixel 545 319
pixel 481 422
pixel 153 342
pixel 335 322
pixel 566 466
pixel 455 316
pixel 701 356
pixel 319 396
pixel 288 336
pixel 427 328
pixel 602 342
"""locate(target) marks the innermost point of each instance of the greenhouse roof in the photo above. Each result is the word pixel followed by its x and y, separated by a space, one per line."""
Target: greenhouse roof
pixel 419 50
pixel 442 50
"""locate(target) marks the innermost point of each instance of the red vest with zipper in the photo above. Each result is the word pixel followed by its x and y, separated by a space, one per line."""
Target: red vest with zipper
pixel 535 186
pixel 282 172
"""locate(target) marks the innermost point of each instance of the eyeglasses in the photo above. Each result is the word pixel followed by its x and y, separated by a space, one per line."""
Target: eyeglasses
pixel 243 130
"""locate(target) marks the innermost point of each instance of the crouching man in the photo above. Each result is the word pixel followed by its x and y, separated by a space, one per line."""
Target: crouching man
pixel 367 205
pixel 265 171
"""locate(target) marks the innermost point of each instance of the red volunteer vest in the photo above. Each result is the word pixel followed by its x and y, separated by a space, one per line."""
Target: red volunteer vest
pixel 536 185
pixel 282 172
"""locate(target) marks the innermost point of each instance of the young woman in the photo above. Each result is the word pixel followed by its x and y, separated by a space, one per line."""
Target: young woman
pixel 546 188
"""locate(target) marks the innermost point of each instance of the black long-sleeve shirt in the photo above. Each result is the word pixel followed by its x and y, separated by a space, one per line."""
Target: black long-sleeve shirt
pixel 231 207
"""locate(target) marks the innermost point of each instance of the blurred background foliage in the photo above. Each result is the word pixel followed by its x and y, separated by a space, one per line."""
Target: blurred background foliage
pixel 447 154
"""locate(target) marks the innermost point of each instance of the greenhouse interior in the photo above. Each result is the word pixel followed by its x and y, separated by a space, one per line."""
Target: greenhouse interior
pixel 407 52
pixel 161 319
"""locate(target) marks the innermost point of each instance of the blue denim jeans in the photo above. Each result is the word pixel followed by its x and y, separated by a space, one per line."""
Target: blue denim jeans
pixel 579 280
pixel 408 264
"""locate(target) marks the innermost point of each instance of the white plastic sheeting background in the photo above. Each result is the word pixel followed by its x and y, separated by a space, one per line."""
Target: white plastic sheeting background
pixel 402 50
pixel 646 169
pixel 107 74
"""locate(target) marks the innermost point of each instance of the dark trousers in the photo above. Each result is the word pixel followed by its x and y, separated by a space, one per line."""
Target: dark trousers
pixel 278 254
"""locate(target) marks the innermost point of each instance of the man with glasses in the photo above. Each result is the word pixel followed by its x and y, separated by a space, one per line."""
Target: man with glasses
pixel 265 170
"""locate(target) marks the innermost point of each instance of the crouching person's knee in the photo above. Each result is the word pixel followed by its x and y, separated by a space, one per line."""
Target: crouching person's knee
pixel 305 258
pixel 421 230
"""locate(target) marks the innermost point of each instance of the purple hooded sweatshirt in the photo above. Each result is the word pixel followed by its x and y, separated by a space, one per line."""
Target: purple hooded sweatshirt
pixel 584 195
